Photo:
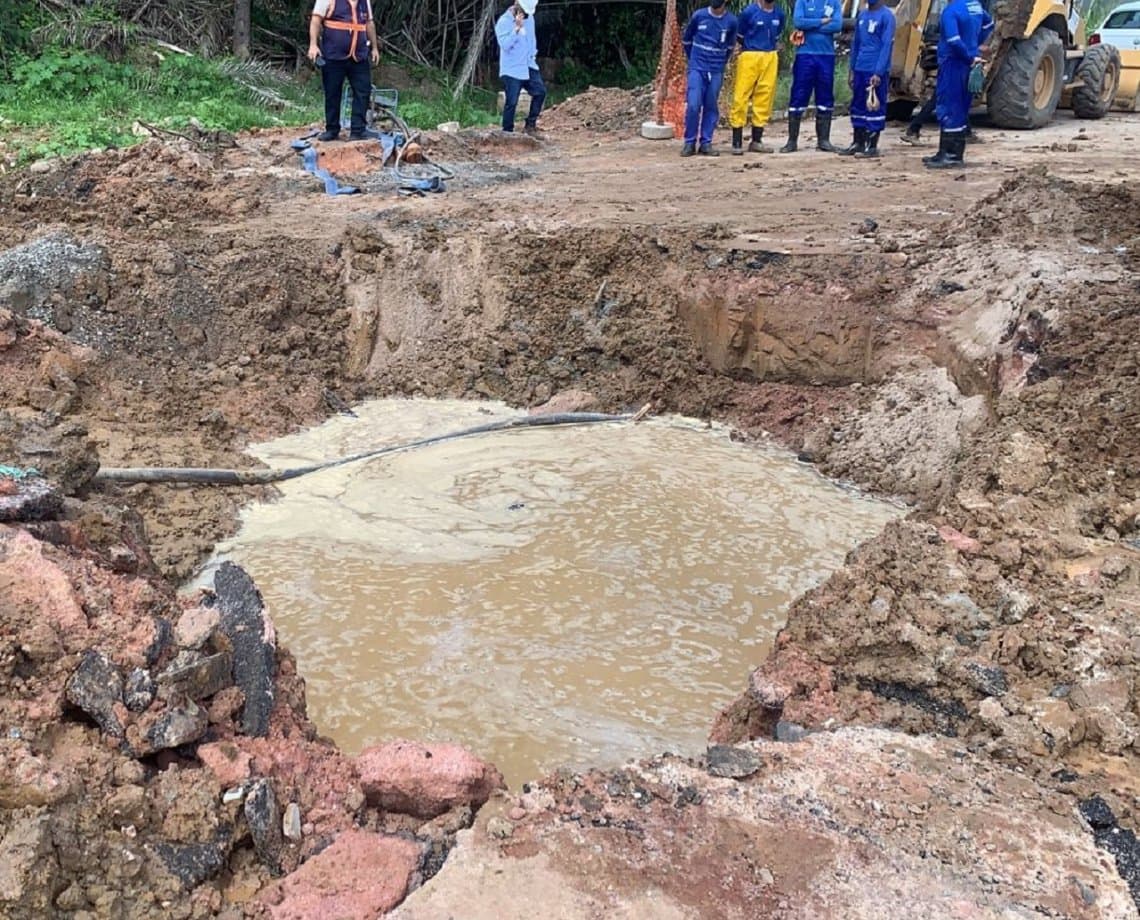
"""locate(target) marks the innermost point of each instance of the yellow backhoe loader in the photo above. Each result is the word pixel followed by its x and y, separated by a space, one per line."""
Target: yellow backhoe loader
pixel 1039 60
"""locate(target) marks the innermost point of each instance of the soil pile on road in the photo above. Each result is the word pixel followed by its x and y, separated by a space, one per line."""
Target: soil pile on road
pixel 1051 211
pixel 602 109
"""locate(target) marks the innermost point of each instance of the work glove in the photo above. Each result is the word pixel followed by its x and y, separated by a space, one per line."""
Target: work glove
pixel 977 79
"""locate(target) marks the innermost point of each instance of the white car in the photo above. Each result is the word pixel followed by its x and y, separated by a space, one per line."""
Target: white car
pixel 1121 28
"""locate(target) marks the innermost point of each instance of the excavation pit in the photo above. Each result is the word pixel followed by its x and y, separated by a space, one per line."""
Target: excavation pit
pixel 556 596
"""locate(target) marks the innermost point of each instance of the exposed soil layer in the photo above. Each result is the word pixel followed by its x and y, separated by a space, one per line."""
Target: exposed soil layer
pixel 952 719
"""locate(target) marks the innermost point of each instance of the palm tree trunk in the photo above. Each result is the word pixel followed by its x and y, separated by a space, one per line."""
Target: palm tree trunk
pixel 241 29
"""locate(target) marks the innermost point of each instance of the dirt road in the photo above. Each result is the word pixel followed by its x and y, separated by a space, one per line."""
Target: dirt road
pixel 951 721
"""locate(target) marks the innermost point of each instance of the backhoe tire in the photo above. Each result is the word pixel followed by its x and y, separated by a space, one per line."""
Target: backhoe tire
pixel 1099 73
pixel 1027 87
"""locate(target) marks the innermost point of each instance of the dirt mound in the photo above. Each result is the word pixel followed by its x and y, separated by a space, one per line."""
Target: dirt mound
pixel 602 109
pixel 1000 615
pixel 1034 207
pixel 181 315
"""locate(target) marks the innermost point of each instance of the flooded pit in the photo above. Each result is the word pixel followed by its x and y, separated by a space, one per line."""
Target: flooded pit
pixel 547 596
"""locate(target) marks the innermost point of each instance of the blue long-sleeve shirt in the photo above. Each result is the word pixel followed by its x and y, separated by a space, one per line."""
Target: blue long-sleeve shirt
pixel 987 21
pixel 518 51
pixel 961 27
pixel 808 17
pixel 759 29
pixel 873 41
pixel 708 40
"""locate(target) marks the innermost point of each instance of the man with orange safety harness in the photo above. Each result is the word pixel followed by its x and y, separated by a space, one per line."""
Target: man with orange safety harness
pixel 343 34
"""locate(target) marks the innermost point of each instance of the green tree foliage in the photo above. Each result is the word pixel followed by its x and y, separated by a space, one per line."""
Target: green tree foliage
pixel 18 20
pixel 609 44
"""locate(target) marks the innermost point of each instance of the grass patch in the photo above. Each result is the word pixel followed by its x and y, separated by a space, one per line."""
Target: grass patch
pixel 425 110
pixel 67 100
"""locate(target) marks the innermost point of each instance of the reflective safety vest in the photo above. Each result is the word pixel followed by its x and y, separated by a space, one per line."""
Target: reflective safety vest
pixel 345 33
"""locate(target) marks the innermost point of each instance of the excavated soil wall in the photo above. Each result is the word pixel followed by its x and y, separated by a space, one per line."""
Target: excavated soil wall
pixel 527 312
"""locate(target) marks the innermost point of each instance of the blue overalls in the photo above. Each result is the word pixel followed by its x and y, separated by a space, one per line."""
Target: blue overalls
pixel 870 57
pixel 814 68
pixel 708 41
pixel 964 25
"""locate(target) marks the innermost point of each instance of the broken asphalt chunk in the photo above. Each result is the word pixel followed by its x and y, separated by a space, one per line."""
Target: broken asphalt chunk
pixel 731 762
pixel 254 644
pixel 95 687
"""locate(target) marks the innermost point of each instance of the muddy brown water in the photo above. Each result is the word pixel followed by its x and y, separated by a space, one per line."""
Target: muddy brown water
pixel 546 597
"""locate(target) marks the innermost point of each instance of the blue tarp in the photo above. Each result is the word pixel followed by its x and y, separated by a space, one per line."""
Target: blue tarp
pixel 15 472
pixel 332 187
pixel 389 142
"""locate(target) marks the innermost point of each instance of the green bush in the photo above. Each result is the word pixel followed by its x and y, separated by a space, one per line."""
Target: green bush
pixel 64 74
pixel 65 100
pixel 19 20
pixel 608 45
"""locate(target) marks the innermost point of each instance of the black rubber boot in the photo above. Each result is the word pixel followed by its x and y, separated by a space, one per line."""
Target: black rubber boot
pixel 823 133
pixel 952 154
pixel 708 150
pixel 858 141
pixel 738 142
pixel 793 135
pixel 870 146
pixel 956 154
pixel 689 150
pixel 941 154
pixel 757 145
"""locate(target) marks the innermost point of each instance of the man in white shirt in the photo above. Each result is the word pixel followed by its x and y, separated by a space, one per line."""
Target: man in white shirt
pixel 518 63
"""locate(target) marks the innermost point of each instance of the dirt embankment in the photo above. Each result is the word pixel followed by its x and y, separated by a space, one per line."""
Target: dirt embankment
pixel 979 657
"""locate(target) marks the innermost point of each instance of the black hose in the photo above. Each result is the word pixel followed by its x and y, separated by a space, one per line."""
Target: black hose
pixel 262 477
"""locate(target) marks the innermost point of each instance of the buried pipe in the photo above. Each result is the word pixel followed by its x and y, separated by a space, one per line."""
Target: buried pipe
pixel 220 477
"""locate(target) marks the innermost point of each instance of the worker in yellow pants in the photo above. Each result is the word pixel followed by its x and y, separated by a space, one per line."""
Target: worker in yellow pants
pixel 760 26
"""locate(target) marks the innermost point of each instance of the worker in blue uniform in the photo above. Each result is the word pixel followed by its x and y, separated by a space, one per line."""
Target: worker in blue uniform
pixel 870 68
pixel 813 72
pixel 708 40
pixel 964 26
pixel 924 114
